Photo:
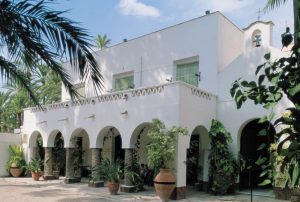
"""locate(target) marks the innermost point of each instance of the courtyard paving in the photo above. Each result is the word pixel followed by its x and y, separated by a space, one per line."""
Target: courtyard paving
pixel 27 190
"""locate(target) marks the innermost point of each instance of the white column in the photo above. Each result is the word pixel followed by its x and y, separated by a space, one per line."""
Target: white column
pixel 31 153
pixel 206 165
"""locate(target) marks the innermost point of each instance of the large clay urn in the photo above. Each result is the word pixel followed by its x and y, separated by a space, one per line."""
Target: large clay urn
pixel 164 184
pixel 113 187
pixel 16 171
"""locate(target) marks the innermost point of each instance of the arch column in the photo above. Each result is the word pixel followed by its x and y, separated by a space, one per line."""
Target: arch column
pixel 96 156
pixel 96 160
pixel 205 170
pixel 48 163
pixel 70 172
pixel 31 153
pixel 128 163
pixel 128 187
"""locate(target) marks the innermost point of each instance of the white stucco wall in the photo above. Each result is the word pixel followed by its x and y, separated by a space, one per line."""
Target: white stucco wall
pixel 243 67
pixel 7 139
pixel 212 38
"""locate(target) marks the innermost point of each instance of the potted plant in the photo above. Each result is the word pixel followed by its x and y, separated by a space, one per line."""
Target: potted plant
pixel 111 172
pixel 56 170
pixel 35 167
pixel 16 161
pixel 160 152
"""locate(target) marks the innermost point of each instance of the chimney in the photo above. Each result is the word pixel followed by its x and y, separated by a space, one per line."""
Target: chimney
pixel 207 12
pixel 124 40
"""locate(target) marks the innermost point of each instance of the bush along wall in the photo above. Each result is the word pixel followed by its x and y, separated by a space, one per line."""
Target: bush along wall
pixel 223 170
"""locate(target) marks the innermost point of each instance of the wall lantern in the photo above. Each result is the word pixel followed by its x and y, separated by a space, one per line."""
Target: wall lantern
pixel 125 96
pixel 286 38
pixel 198 75
pixel 125 112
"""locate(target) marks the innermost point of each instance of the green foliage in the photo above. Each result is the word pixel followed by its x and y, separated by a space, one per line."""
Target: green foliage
pixel 162 148
pixel 45 83
pixel 102 41
pixel 59 153
pixel 35 165
pixel 223 168
pixel 16 157
pixel 133 170
pixel 33 33
pixel 276 80
pixel 110 171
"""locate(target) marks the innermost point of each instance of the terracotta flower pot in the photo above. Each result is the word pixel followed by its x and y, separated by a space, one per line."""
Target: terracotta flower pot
pixel 35 175
pixel 164 184
pixel 113 187
pixel 16 171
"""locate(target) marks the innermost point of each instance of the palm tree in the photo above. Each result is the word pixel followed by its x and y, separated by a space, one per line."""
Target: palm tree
pixel 102 41
pixel 271 4
pixel 46 84
pixel 4 97
pixel 32 33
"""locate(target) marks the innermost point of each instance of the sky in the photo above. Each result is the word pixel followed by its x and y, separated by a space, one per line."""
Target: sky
pixel 129 19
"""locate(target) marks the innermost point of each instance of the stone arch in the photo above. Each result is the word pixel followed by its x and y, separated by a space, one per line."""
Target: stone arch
pixel 51 137
pixel 110 140
pixel 203 135
pixel 103 132
pixel 240 131
pixel 140 129
pixel 256 38
pixel 250 141
pixel 76 132
pixel 33 137
pixel 197 156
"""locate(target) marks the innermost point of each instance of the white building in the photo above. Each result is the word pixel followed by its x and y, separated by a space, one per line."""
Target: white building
pixel 181 74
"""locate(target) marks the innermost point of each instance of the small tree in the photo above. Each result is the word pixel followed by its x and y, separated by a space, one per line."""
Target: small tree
pixel 162 149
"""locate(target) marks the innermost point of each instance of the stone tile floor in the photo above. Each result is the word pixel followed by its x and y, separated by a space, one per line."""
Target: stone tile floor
pixel 27 190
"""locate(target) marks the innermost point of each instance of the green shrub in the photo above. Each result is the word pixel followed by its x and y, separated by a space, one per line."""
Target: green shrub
pixel 223 170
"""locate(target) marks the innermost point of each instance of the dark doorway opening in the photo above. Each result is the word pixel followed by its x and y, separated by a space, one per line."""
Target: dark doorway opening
pixel 192 161
pixel 251 140
pixel 119 152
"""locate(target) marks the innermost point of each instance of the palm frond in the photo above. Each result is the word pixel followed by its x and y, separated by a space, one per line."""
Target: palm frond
pixel 33 32
pixel 11 73
pixel 271 4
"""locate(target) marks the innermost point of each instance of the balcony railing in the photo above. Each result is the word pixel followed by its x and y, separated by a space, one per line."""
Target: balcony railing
pixel 121 95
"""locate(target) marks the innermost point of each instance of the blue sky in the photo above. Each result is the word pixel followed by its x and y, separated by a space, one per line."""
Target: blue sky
pixel 121 19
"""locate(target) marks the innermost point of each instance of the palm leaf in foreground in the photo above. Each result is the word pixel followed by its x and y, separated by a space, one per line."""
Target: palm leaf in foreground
pixel 33 33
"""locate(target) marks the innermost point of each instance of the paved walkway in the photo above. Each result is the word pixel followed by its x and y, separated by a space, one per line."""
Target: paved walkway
pixel 27 190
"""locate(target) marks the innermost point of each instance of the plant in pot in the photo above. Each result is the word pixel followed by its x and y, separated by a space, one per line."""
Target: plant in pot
pixel 35 168
pixel 111 172
pixel 16 161
pixel 160 153
pixel 56 169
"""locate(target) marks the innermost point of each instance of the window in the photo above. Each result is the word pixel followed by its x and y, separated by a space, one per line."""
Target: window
pixel 188 72
pixel 80 89
pixel 124 82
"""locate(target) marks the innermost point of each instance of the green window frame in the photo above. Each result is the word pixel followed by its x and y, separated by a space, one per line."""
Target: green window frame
pixel 124 83
pixel 186 72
